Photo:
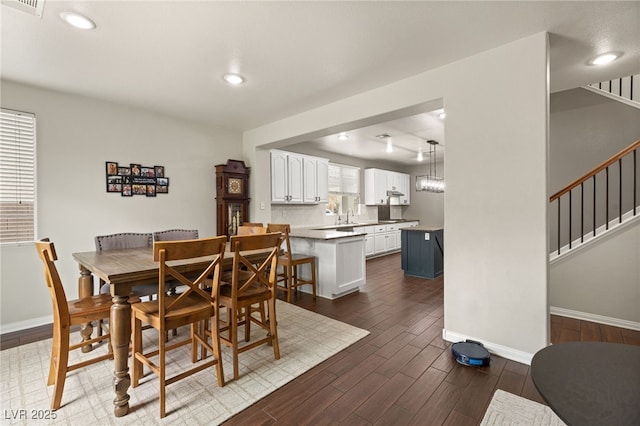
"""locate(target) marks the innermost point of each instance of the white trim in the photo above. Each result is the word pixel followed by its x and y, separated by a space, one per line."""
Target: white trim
pixel 26 324
pixel 600 319
pixel 613 96
pixel 614 225
pixel 494 348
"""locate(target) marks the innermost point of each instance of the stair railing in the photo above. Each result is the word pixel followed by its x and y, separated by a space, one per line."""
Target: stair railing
pixel 621 187
pixel 624 87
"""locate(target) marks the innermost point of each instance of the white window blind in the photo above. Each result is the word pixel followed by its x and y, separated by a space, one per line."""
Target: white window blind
pixel 17 176
pixel 344 179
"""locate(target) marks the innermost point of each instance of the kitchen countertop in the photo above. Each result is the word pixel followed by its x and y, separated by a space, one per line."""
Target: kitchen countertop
pixel 330 232
pixel 423 229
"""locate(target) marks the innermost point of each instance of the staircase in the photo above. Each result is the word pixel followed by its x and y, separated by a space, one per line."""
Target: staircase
pixel 594 268
pixel 604 199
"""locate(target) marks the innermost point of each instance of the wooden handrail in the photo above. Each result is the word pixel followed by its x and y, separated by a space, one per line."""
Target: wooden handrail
pixel 596 170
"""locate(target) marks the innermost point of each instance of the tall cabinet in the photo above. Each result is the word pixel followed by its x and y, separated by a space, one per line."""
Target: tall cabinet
pixel 232 196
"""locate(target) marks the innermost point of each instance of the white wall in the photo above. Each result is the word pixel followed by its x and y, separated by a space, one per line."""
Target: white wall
pixel 496 267
pixel 76 135
pixel 600 282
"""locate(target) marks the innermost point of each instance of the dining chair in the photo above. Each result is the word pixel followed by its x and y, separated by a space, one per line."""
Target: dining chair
pixel 125 240
pixel 175 234
pixel 291 277
pixel 191 307
pixel 251 230
pixel 250 284
pixel 258 224
pixel 66 314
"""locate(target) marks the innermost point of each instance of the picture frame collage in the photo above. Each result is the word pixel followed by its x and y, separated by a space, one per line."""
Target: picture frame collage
pixel 136 179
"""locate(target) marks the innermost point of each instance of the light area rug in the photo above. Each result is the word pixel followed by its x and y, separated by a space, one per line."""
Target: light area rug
pixel 306 339
pixel 508 409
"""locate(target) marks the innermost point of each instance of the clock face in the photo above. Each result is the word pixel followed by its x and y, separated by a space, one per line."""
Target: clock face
pixel 235 186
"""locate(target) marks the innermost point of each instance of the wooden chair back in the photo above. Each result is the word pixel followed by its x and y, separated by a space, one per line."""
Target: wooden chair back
pixel 284 229
pixel 244 272
pixel 251 230
pixel 123 240
pixel 48 256
pixel 175 234
pixel 252 224
pixel 165 252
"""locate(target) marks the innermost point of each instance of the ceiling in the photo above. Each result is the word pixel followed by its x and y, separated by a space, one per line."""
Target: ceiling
pixel 169 56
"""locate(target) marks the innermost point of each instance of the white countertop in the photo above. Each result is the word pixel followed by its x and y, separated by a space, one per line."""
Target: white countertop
pixel 323 234
pixel 329 232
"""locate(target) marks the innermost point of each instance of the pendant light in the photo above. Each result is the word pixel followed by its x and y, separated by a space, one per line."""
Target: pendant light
pixel 431 182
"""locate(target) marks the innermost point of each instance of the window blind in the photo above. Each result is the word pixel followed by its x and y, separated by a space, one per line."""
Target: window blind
pixel 344 179
pixel 17 176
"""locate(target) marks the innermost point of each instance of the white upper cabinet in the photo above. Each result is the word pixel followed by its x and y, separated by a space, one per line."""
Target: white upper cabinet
pixel 315 180
pixel 377 182
pixel 298 179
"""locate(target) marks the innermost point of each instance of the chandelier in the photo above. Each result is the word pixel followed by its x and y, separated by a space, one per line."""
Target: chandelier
pixel 431 182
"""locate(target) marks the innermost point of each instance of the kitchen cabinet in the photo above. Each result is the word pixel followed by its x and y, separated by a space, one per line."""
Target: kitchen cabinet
pixel 298 179
pixel 340 264
pixel 377 182
pixel 315 180
pixel 369 240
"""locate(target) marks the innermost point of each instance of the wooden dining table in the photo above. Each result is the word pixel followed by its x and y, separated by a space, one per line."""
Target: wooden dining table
pixel 123 269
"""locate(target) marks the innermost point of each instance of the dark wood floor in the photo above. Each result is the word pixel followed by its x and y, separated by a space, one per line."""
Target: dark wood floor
pixel 403 372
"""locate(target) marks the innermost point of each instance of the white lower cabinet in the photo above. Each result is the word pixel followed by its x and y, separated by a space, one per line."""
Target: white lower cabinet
pixel 340 264
pixel 383 239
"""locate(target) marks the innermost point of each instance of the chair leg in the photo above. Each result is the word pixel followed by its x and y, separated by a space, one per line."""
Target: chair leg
pixel 161 367
pixel 313 277
pixel 136 335
pixel 55 350
pixel 233 331
pixel 247 323
pixel 215 344
pixel 291 274
pixel 273 327
pixel 60 375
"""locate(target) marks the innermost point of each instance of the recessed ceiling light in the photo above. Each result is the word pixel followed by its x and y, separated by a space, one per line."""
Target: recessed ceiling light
pixel 234 79
pixel 77 20
pixel 442 115
pixel 343 136
pixel 604 59
pixel 420 156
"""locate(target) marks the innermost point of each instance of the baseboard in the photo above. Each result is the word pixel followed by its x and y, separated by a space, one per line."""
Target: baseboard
pixel 600 319
pixel 494 348
pixel 25 325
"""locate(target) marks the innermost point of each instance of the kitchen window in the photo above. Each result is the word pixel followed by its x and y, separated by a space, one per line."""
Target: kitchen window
pixel 17 176
pixel 344 190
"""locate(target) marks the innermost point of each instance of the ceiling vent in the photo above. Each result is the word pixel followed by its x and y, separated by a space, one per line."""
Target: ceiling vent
pixel 32 7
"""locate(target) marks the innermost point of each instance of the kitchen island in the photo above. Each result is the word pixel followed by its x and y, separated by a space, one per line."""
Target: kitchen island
pixel 340 259
pixel 422 251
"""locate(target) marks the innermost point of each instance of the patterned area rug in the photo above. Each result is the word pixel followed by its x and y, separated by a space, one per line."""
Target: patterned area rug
pixel 509 409
pixel 306 339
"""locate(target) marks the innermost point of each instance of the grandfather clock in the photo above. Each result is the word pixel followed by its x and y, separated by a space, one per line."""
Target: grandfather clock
pixel 232 196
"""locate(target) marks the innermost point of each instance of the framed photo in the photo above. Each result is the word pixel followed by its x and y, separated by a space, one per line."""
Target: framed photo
pixel 139 189
pixel 114 183
pixel 124 171
pixel 162 189
pixel 162 181
pixel 151 190
pixel 127 191
pixel 112 168
pixel 136 169
pixel 159 171
pixel 148 172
